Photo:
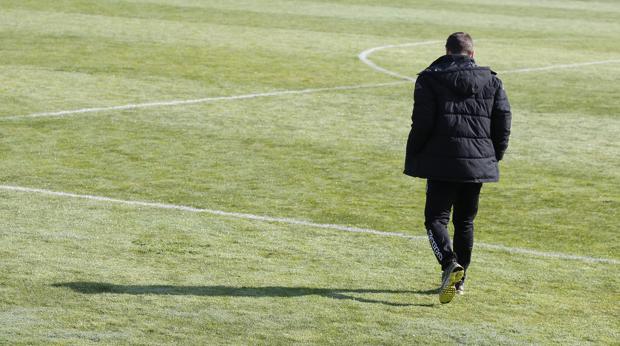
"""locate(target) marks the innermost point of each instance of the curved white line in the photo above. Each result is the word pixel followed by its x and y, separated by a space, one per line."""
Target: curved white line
pixel 364 57
pixel 494 247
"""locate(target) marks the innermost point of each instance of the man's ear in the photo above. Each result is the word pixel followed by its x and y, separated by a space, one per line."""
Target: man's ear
pixel 471 54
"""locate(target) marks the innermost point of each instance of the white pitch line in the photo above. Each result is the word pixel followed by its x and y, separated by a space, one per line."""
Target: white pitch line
pixel 365 58
pixel 494 247
pixel 561 66
pixel 194 101
pixel 208 211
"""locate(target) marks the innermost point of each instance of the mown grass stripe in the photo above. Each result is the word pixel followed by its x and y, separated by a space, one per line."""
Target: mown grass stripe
pixel 343 228
pixel 363 56
pixel 196 101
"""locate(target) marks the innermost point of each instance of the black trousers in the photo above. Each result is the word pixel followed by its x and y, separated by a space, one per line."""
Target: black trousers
pixel 441 198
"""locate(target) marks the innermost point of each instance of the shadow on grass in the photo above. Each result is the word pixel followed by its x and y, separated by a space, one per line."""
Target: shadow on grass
pixel 230 291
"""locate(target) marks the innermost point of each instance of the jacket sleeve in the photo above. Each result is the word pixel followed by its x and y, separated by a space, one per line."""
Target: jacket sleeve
pixel 500 122
pixel 423 115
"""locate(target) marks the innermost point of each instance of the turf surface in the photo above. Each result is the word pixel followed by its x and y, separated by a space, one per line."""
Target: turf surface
pixel 76 271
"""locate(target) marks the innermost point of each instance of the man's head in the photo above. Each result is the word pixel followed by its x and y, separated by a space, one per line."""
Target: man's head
pixel 460 43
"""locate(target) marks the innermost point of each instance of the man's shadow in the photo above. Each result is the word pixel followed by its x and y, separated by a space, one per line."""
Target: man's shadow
pixel 231 291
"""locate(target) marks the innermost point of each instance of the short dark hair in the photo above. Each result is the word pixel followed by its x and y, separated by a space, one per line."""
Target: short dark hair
pixel 460 43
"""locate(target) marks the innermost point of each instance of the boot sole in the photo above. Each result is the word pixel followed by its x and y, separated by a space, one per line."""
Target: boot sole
pixel 447 293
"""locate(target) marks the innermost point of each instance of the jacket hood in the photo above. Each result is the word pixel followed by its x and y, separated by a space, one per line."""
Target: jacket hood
pixel 460 73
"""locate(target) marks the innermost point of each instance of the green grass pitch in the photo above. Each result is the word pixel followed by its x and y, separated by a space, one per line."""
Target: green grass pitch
pixel 84 271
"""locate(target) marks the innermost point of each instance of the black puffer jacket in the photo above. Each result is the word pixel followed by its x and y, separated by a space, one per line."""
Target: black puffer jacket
pixel 461 122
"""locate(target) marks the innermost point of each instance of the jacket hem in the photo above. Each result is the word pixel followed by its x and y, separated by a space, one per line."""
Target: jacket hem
pixel 453 179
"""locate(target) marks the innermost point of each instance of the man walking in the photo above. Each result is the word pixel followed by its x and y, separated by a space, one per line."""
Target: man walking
pixel 459 132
